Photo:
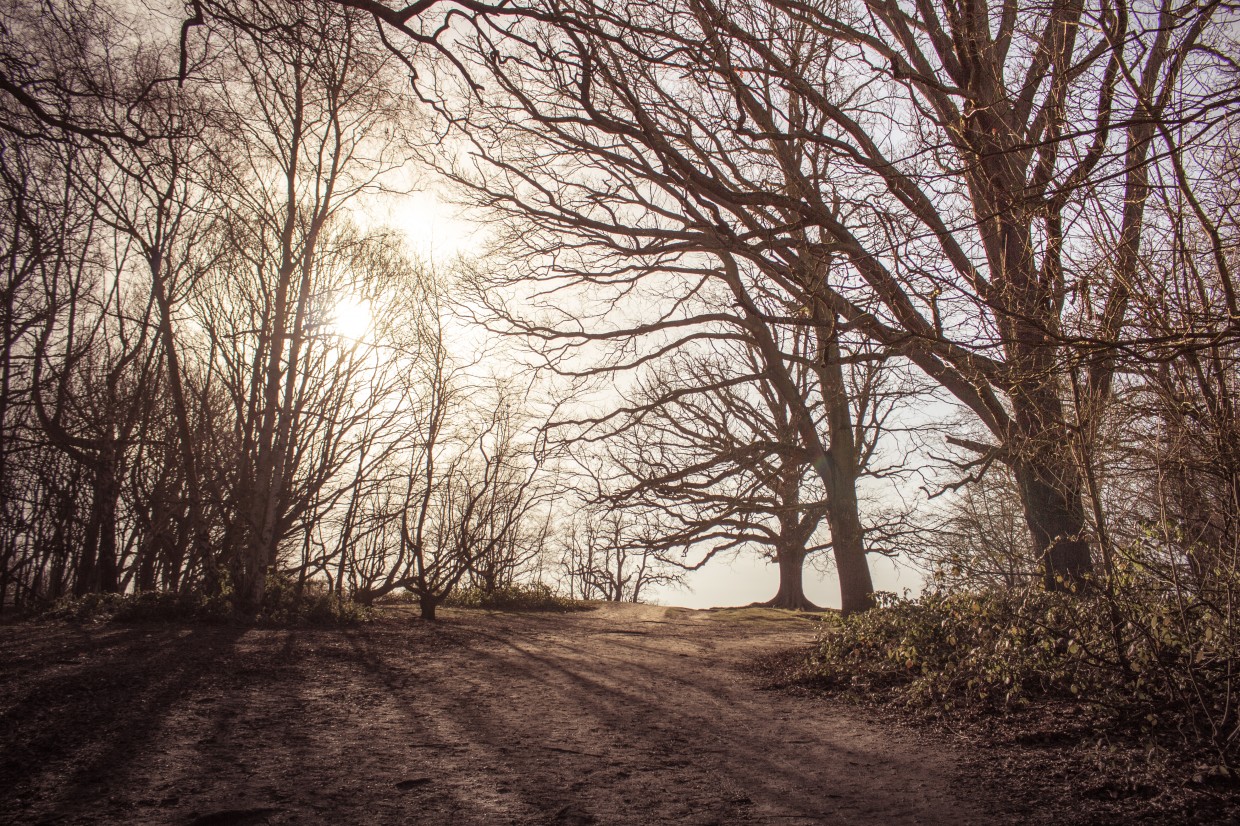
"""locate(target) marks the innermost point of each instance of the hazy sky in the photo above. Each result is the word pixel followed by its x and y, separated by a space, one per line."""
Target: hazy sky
pixel 748 579
pixel 437 234
pixel 434 231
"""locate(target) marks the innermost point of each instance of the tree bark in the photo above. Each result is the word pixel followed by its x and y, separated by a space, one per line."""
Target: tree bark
pixel 1051 497
pixel 97 570
pixel 856 586
pixel 842 469
pixel 791 593
pixel 1045 466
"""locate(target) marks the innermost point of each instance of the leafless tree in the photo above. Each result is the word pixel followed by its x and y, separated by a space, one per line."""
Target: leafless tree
pixel 951 159
pixel 58 105
pixel 611 554
pixel 305 118
pixel 474 499
pixel 711 443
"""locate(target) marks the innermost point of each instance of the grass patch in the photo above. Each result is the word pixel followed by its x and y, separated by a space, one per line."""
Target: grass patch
pixel 763 614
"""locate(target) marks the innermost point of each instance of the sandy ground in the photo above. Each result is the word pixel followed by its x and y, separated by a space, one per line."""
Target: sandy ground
pixel 623 715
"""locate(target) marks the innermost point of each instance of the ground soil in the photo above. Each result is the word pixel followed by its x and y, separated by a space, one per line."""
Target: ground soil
pixel 621 715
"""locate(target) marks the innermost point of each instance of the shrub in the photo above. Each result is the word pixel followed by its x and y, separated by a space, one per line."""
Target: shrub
pixel 1143 649
pixel 88 608
pixel 992 648
pixel 283 603
pixel 150 606
pixel 534 597
pixel 312 603
pixel 164 606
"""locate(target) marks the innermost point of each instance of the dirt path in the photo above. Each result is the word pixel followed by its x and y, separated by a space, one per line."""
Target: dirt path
pixel 625 715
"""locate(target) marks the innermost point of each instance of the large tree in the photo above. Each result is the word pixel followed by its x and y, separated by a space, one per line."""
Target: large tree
pixel 707 442
pixel 302 96
pixel 971 166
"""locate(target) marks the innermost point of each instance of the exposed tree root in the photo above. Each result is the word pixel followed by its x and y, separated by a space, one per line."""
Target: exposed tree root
pixel 790 603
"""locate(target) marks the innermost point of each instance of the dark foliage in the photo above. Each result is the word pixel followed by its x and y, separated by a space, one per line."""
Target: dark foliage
pixel 533 597
pixel 285 603
pixel 1142 657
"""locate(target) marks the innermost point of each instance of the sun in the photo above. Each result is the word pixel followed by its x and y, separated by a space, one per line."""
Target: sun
pixel 351 318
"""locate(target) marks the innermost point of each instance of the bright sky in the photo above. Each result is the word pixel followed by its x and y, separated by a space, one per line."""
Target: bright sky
pixel 434 232
pixel 748 579
pixel 437 234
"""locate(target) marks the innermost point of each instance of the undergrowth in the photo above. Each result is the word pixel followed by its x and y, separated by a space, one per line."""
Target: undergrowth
pixel 284 602
pixel 533 597
pixel 1142 657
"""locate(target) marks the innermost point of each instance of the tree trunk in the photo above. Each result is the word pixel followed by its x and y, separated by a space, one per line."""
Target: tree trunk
pixel 146 566
pixel 1029 297
pixel 109 564
pixel 426 607
pixel 842 469
pixel 791 593
pixel 85 574
pixel 248 596
pixel 1050 481
pixel 96 570
pixel 856 586
pixel 1056 520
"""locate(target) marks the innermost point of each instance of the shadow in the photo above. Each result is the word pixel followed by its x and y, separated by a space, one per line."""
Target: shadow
pixel 29 648
pixel 84 717
pixel 491 719
pixel 650 725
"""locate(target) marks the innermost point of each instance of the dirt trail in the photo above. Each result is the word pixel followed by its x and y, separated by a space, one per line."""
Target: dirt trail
pixel 624 715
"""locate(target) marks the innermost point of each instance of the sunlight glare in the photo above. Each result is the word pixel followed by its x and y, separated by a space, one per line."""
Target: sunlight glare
pixel 351 318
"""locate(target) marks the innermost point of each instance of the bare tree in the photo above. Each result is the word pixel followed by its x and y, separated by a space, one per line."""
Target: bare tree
pixel 31 246
pixel 190 412
pixel 982 538
pixel 472 498
pixel 92 372
pixel 305 118
pixel 611 554
pixel 712 447
pixel 948 158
